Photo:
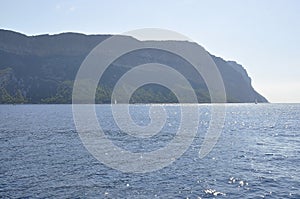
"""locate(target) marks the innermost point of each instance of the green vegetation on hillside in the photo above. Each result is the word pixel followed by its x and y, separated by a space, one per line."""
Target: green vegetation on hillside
pixel 16 98
pixel 42 69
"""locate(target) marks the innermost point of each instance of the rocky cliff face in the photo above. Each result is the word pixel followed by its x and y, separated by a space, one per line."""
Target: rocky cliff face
pixel 41 69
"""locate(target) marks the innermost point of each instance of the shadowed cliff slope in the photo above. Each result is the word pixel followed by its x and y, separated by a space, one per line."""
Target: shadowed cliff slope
pixel 41 69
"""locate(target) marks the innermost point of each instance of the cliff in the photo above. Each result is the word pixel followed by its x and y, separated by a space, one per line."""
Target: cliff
pixel 41 69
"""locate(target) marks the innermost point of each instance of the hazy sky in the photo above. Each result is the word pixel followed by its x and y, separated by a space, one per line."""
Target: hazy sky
pixel 262 35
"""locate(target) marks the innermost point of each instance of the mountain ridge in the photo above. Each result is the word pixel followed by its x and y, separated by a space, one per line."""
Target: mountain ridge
pixel 37 68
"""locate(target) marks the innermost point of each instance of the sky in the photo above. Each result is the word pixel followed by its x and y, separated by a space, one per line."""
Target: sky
pixel 262 35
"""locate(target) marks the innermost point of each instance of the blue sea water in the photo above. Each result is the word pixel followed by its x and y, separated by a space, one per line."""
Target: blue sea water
pixel 257 155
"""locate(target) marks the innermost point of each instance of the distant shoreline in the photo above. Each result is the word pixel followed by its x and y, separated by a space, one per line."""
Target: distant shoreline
pixel 144 103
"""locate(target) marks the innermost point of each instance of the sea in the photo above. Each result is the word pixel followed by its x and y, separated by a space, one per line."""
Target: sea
pixel 257 154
